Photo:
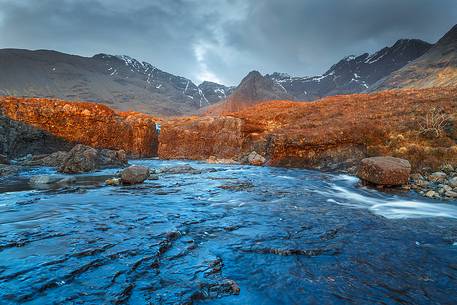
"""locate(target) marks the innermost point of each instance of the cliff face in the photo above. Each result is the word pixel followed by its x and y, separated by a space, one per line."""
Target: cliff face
pixel 86 123
pixel 333 133
pixel 201 137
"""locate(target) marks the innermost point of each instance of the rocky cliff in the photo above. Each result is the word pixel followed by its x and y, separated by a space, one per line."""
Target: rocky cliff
pixel 86 123
pixel 335 132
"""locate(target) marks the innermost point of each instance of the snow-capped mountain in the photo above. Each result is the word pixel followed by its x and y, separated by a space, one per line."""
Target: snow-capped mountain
pixel 214 92
pixel 121 82
pixel 353 74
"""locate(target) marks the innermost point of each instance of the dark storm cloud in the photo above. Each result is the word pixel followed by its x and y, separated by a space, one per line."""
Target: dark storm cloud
pixel 223 39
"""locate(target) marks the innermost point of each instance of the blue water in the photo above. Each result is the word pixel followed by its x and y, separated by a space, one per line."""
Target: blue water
pixel 282 236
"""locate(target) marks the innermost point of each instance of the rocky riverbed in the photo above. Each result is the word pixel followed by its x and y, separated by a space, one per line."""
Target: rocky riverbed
pixel 197 233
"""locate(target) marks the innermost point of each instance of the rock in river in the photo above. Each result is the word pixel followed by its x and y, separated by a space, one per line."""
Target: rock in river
pixel 85 159
pixel 385 171
pixel 134 174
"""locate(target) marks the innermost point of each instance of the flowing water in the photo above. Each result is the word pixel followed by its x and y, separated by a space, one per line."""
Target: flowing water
pixel 228 235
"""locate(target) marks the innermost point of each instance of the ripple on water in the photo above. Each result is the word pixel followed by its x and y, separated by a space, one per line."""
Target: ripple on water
pixel 230 235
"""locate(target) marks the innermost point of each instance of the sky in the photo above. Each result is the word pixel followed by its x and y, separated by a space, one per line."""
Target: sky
pixel 222 40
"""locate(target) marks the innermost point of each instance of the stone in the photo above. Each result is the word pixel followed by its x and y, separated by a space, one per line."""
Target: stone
pixel 85 159
pixel 453 182
pixel 52 160
pixel 451 194
pixel 8 170
pixel 255 159
pixel 113 181
pixel 387 171
pixel 4 159
pixel 437 177
pixel 431 194
pixel 134 174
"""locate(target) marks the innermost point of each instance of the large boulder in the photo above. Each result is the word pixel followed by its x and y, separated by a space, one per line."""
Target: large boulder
pixel 386 171
pixel 52 160
pixel 134 174
pixel 85 159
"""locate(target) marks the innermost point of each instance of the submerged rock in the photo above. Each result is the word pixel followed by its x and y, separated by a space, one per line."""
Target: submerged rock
pixel 49 179
pixel 134 174
pixel 180 169
pixel 386 171
pixel 85 159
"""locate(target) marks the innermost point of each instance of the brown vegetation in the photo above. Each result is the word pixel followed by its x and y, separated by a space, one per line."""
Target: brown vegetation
pixel 331 133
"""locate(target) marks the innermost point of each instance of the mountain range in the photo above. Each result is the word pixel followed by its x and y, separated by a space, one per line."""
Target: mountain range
pixel 127 84
pixel 121 82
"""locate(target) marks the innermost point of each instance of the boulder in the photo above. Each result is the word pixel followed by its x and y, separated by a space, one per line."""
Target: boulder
pixel 85 159
pixel 386 171
pixel 255 159
pixel 134 174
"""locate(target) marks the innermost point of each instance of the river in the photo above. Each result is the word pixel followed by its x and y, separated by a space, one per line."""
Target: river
pixel 228 234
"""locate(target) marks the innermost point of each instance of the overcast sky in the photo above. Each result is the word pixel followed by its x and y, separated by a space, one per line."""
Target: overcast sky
pixel 222 40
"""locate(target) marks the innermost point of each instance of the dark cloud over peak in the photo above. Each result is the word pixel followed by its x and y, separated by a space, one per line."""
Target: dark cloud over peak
pixel 223 40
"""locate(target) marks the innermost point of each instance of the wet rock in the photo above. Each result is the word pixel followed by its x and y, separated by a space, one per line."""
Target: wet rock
pixel 134 174
pixel 85 159
pixel 217 290
pixel 53 160
pixel 387 171
pixel 4 159
pixel 431 194
pixel 237 186
pixel 8 170
pixel 44 179
pixel 180 169
pixel 255 159
pixel 113 181
pixel 437 177
pixel 47 180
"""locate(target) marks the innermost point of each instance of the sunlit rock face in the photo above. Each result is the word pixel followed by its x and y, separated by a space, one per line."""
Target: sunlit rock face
pixel 91 124
pixel 201 138
pixel 333 133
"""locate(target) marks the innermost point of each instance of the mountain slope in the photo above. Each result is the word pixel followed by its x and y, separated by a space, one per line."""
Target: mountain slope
pixel 254 88
pixel 436 68
pixel 353 74
pixel 118 81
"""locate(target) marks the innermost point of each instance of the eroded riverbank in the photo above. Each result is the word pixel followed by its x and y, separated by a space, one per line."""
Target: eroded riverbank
pixel 282 236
